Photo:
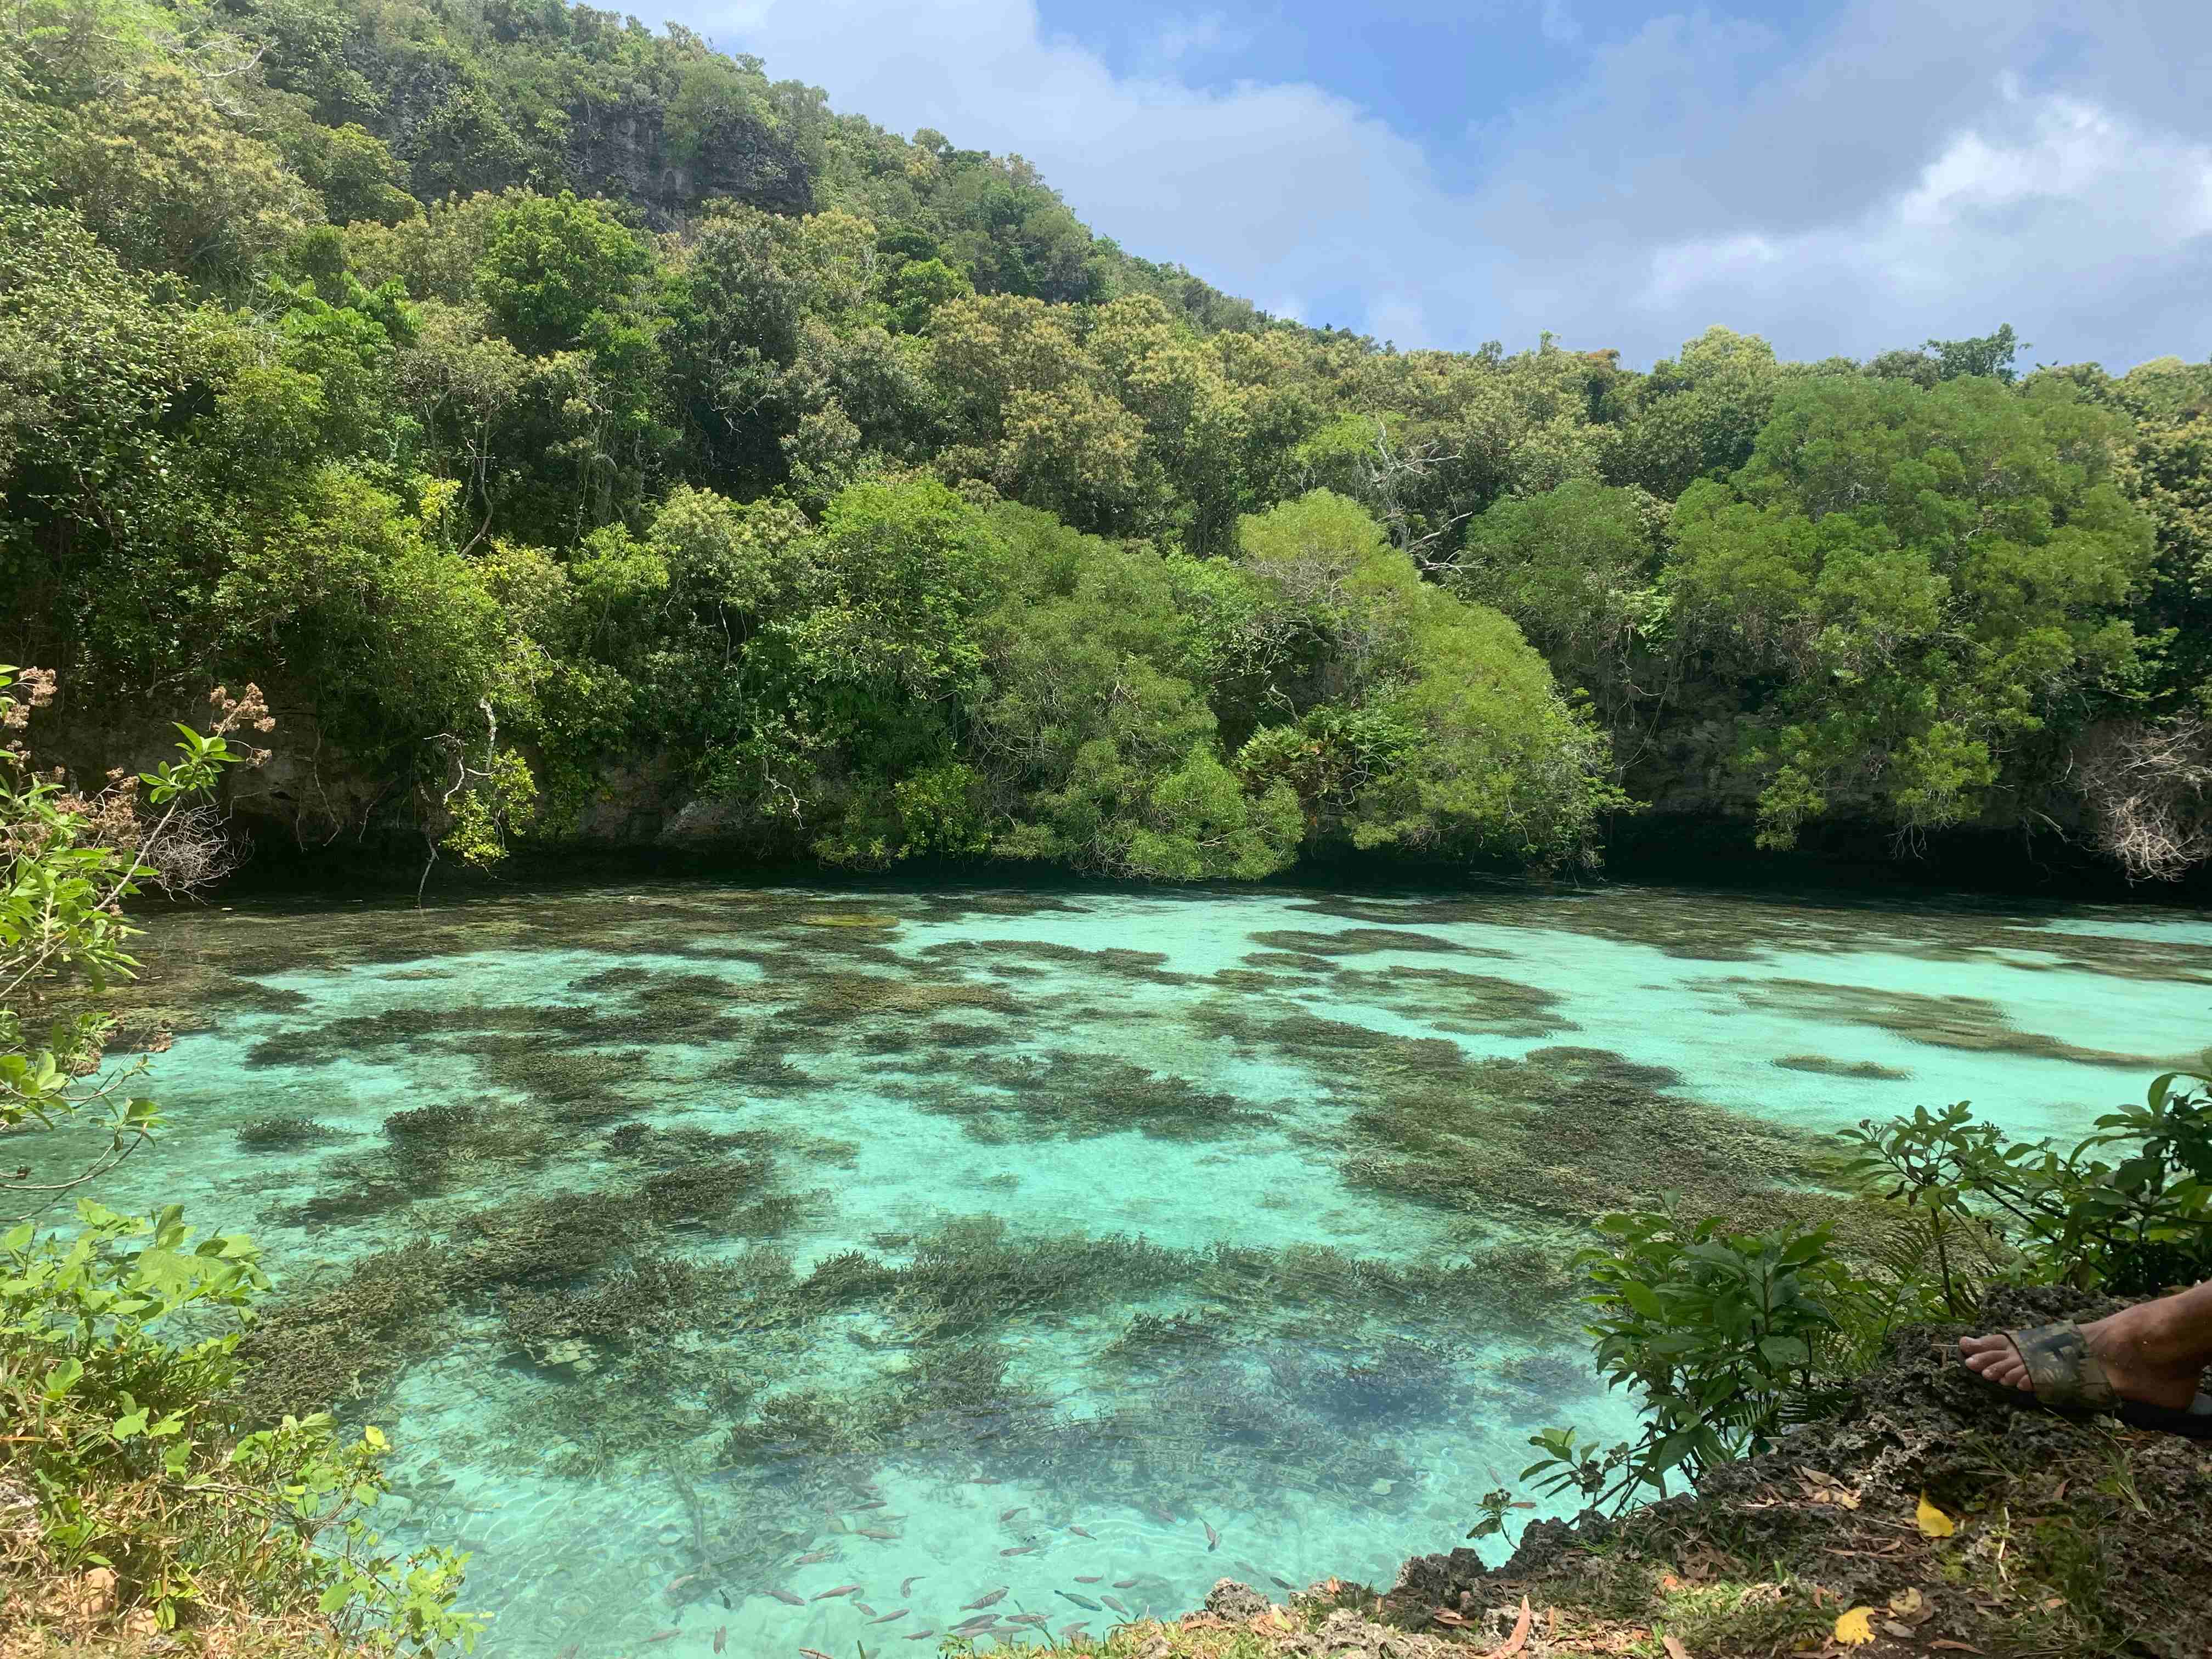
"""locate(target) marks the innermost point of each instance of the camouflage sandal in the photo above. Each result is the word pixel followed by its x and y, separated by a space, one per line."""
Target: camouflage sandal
pixel 2065 1374
pixel 2067 1377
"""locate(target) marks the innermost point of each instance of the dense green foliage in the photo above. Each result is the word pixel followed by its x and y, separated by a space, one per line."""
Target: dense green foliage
pixel 537 404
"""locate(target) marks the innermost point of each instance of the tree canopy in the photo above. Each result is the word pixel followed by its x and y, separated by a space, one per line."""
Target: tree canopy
pixel 528 379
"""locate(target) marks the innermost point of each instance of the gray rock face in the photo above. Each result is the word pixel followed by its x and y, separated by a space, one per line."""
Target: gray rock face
pixel 1231 1600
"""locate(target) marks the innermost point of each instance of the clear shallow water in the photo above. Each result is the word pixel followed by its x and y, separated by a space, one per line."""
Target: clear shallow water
pixel 962 1239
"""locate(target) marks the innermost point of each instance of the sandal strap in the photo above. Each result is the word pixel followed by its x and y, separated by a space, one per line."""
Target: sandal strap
pixel 2064 1371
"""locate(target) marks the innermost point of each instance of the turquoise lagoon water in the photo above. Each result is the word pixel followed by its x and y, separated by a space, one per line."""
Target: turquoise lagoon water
pixel 747 1247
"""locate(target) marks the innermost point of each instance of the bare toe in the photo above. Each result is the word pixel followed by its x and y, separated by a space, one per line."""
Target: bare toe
pixel 1996 1359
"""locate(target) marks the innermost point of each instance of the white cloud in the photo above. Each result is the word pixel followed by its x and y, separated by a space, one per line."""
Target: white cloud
pixel 2051 196
pixel 1558 24
pixel 1914 170
pixel 1181 38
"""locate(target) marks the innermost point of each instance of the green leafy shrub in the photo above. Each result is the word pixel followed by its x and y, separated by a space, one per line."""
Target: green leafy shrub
pixel 139 1469
pixel 1719 1334
pixel 127 1437
pixel 2127 1210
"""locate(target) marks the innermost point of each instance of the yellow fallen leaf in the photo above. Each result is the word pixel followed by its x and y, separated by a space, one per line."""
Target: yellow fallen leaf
pixel 1855 1629
pixel 1906 1601
pixel 1933 1521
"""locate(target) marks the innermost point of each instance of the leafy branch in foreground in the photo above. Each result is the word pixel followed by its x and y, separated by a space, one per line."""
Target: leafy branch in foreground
pixel 2127 1210
pixel 155 1504
pixel 67 862
pixel 1719 1334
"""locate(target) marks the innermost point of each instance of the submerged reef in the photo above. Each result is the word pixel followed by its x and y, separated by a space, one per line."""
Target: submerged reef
pixel 1564 1131
pixel 1826 1066
pixel 1973 1023
pixel 1075 1095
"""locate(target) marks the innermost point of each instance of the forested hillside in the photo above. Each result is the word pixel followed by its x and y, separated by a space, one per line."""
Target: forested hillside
pixel 581 436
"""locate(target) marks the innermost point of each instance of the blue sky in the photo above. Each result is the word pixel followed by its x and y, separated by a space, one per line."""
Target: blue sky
pixel 1841 176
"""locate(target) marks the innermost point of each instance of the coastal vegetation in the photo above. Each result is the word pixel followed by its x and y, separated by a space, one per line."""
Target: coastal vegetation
pixel 582 436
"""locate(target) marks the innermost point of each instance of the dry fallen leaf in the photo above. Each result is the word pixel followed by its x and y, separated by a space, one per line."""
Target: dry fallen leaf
pixel 1669 1582
pixel 1898 1629
pixel 1907 1602
pixel 1516 1642
pixel 1955 1647
pixel 1674 1647
pixel 1933 1521
pixel 1855 1629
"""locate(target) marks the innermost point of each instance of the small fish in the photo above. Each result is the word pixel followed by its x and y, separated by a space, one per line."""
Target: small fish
pixel 722 1637
pixel 1213 1538
pixel 842 1590
pixel 892 1617
pixel 662 1635
pixel 787 1598
pixel 725 1594
pixel 813 1653
pixel 812 1556
pixel 676 1584
pixel 984 1623
pixel 863 1606
pixel 986 1480
pixel 1282 1584
pixel 1125 1584
pixel 1011 1513
pixel 989 1600
pixel 1080 1533
pixel 1069 1630
pixel 1116 1606
pixel 906 1585
pixel 1027 1619
pixel 921 1636
pixel 1164 1516
pixel 1020 1549
pixel 1082 1601
pixel 1095 1578
pixel 874 1504
pixel 880 1534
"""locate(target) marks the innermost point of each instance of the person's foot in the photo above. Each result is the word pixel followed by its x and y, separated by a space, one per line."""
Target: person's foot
pixel 2132 1346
